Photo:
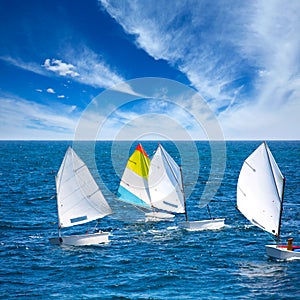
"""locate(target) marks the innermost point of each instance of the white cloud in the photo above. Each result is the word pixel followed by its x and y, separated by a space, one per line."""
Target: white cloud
pixel 60 67
pixel 61 96
pixel 25 119
pixel 50 91
pixel 242 57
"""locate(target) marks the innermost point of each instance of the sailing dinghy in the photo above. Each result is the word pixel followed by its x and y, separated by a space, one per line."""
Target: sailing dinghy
pixel 260 192
pixel 167 191
pixel 156 186
pixel 210 224
pixel 79 200
pixel 134 188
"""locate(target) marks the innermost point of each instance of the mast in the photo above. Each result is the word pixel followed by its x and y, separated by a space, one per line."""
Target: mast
pixel 57 203
pixel 281 207
pixel 208 209
pixel 185 211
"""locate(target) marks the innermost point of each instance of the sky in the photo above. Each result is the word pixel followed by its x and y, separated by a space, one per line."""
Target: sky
pixel 59 57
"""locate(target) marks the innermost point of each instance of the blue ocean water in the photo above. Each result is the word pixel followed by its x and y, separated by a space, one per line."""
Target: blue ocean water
pixel 143 260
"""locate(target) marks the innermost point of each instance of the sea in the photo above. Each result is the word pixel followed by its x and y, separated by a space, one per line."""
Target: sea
pixel 143 260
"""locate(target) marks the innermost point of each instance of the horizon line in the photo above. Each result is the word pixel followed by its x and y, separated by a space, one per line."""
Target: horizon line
pixel 146 140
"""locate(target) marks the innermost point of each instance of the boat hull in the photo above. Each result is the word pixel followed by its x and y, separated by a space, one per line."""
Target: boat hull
pixel 159 216
pixel 81 240
pixel 212 224
pixel 281 252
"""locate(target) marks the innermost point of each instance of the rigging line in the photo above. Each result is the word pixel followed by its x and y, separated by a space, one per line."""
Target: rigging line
pixel 276 239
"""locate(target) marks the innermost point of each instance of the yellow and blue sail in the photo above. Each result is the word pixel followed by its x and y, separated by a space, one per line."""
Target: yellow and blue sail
pixel 134 182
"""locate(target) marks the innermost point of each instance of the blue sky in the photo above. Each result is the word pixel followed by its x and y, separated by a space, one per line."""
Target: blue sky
pixel 242 57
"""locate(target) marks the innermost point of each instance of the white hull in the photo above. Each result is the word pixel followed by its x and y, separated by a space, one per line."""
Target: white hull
pixel 81 240
pixel 281 252
pixel 159 216
pixel 212 224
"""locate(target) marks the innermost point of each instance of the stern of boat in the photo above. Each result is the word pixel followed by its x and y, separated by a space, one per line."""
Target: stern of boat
pixel 281 252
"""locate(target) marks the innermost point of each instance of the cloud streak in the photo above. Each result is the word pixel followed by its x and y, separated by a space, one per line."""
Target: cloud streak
pixel 239 55
pixel 25 119
pixel 83 66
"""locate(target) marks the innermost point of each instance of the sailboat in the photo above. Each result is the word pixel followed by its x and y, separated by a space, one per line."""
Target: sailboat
pixel 210 224
pixel 167 191
pixel 157 186
pixel 79 201
pixel 134 187
pixel 260 192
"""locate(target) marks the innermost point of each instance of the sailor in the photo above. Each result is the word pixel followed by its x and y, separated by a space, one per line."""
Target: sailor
pixel 290 244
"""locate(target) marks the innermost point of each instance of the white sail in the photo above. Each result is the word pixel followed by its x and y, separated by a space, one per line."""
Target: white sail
pixel 260 190
pixel 79 199
pixel 165 183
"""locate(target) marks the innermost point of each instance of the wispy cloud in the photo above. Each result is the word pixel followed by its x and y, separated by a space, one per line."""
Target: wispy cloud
pixel 25 119
pixel 92 69
pixel 19 63
pixel 144 119
pixel 81 65
pixel 239 55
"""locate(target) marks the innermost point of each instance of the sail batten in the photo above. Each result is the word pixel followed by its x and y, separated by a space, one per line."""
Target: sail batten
pixel 260 193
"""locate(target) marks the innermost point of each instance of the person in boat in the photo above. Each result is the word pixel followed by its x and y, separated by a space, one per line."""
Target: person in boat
pixel 290 244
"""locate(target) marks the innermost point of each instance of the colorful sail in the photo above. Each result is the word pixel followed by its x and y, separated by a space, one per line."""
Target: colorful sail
pixel 165 183
pixel 79 198
pixel 260 190
pixel 134 182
